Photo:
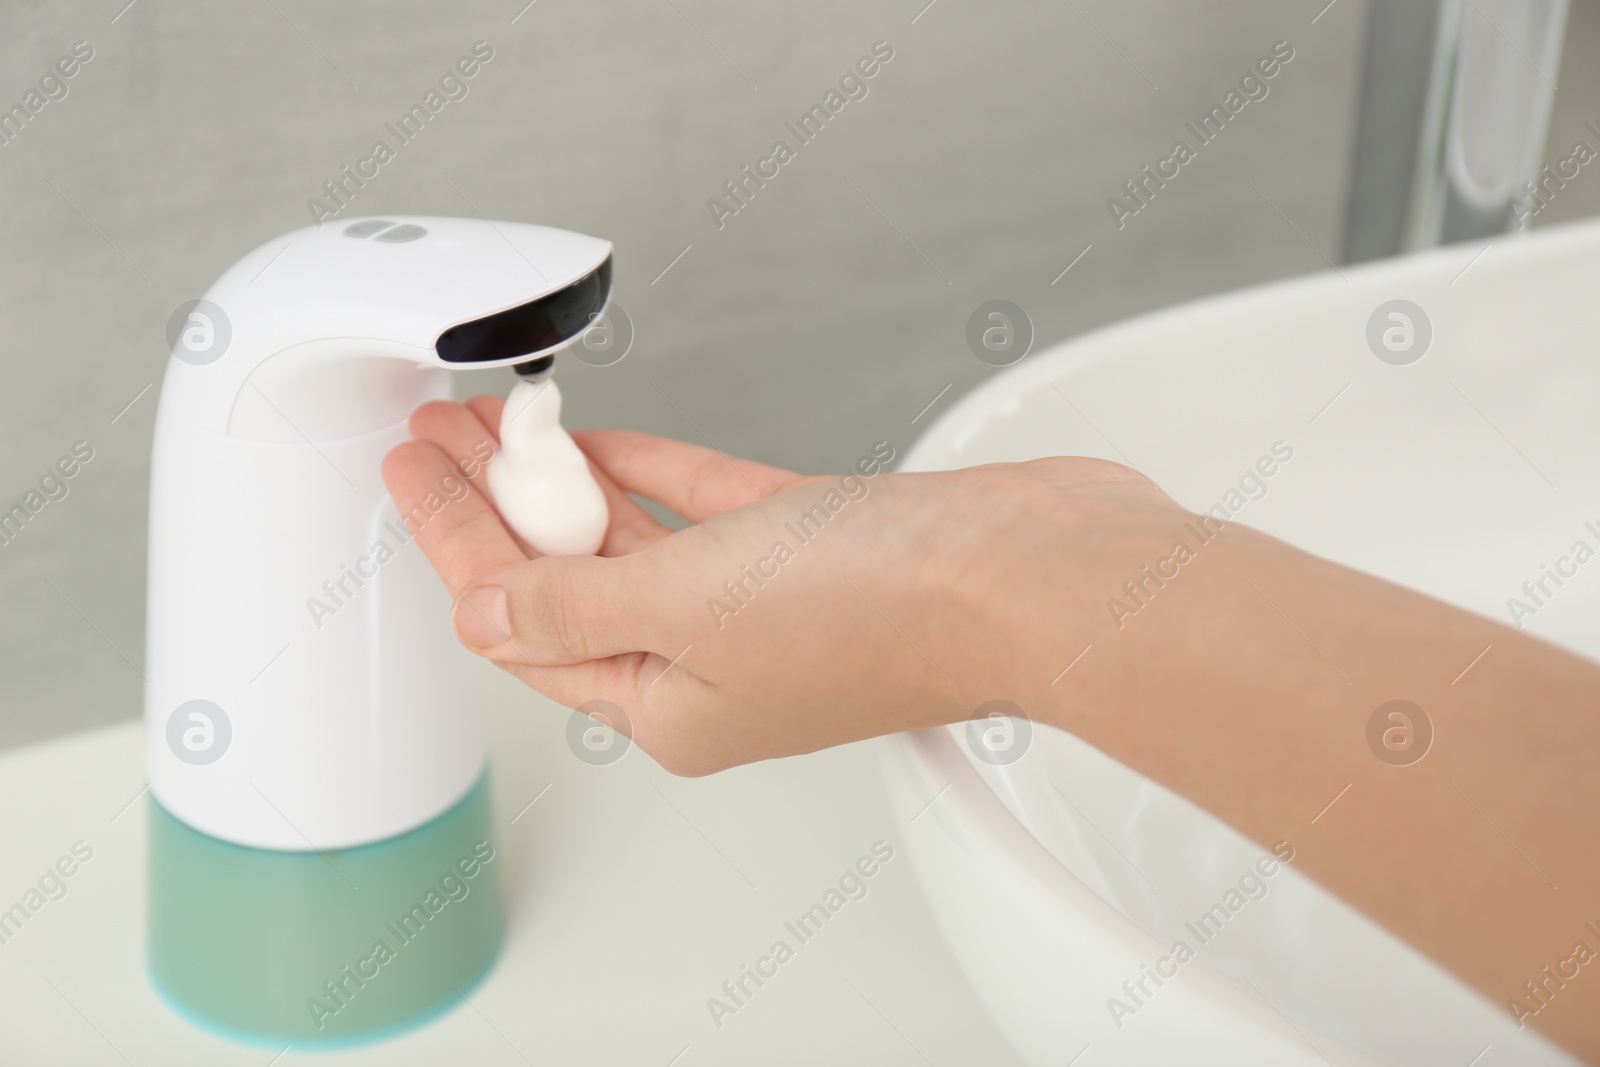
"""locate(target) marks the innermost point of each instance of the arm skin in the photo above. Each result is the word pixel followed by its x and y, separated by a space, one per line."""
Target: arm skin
pixel 1244 684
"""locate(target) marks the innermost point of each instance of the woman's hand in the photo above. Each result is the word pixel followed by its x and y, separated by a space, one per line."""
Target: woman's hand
pixel 794 613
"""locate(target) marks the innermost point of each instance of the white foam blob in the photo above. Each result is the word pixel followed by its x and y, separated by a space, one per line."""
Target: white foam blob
pixel 540 480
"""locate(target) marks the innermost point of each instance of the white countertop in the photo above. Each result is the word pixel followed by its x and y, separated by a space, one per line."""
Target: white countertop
pixel 631 897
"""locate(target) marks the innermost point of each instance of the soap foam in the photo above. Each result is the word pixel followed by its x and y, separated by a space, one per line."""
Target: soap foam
pixel 540 480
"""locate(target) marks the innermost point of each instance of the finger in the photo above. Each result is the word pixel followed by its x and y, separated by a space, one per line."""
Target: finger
pixel 489 410
pixel 620 680
pixel 695 482
pixel 458 529
pixel 631 527
pixel 461 434
pixel 560 610
pixel 642 690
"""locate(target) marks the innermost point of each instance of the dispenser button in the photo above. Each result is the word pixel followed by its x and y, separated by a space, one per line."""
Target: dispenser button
pixel 367 227
pixel 401 234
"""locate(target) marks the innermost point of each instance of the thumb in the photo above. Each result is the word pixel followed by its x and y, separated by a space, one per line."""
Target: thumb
pixel 559 610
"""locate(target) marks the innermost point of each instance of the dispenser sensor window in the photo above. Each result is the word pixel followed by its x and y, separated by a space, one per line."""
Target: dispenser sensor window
pixel 532 327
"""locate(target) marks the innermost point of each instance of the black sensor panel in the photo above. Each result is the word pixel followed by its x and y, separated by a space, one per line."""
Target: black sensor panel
pixel 532 327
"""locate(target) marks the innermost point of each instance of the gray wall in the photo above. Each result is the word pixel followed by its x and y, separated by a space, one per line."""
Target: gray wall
pixel 822 317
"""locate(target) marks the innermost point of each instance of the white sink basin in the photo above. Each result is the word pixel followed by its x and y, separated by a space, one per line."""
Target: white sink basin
pixel 1458 474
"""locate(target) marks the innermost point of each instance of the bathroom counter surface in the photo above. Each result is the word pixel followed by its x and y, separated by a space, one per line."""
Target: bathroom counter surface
pixel 632 897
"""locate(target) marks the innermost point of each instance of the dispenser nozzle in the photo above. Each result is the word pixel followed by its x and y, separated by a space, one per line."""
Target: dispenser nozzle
pixel 535 370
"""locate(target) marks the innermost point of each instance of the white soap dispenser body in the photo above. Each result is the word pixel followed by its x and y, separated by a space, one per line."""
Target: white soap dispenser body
pixel 304 689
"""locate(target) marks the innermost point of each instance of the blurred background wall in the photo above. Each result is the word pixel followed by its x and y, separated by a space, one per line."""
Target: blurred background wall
pixel 825 315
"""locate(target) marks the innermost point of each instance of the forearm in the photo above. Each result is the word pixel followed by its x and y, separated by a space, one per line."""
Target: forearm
pixel 1246 684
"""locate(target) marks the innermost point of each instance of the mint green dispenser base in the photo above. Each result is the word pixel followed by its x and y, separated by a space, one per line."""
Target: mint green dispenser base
pixel 324 949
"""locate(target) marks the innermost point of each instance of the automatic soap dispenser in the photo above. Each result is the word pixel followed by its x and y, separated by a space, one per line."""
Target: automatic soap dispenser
pixel 314 753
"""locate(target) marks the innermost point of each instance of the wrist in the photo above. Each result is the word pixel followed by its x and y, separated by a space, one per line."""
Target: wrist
pixel 1079 585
